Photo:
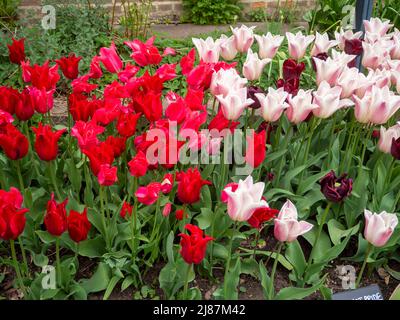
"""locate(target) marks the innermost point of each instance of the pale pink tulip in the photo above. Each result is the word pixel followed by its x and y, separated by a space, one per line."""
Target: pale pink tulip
pixel 254 66
pixel 376 25
pixel 386 137
pixel 328 100
pixel 328 70
pixel 380 78
pixel 245 199
pixel 342 36
pixel 228 48
pixel 342 58
pixel 208 49
pixel 374 55
pixel 396 80
pixel 273 104
pixel 322 44
pixel 244 38
pixel 224 81
pixel 377 105
pixel 350 80
pixel 395 51
pixel 379 227
pixel 286 226
pixel 300 106
pixel 234 103
pixel 268 45
pixel 298 43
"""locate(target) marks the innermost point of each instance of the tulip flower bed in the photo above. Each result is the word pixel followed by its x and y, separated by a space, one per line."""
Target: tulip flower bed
pixel 270 157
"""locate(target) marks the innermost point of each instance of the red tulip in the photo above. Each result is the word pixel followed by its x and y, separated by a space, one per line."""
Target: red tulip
pixel 55 219
pixel 81 108
pixel 179 214
pixel 126 123
pixel 107 175
pixel 78 225
pixel 95 69
pixel 25 109
pixel 81 85
pixel 46 144
pixel 41 77
pixel 110 59
pixel 194 246
pixel 262 215
pixel 12 216
pixel 118 145
pixel 219 122
pixel 151 106
pixel 189 185
pixel 144 54
pixel 128 73
pixel 200 77
pixel 148 194
pixel 98 156
pixel 167 183
pixel 126 209
pixel 69 66
pixel 41 99
pixel 256 149
pixel 86 133
pixel 187 62
pixel 166 72
pixel 13 142
pixel 5 118
pixel 9 99
pixel 17 51
pixel 138 165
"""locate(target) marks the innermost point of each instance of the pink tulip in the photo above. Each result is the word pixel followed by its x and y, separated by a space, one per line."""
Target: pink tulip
pixel 374 55
pixel 107 175
pixel 234 103
pixel 244 38
pixel 328 100
pixel 110 59
pixel 386 137
pixel 273 104
pixel 342 36
pixel 379 227
pixel 328 71
pixel 396 80
pixel 350 80
pixel 213 145
pixel 377 106
pixel 245 199
pixel 253 66
pixel 300 106
pixel 268 45
pixel 167 209
pixel 395 51
pixel 287 228
pixel 322 44
pixel 208 49
pixel 224 81
pixel 298 44
pixel 228 48
pixel 376 25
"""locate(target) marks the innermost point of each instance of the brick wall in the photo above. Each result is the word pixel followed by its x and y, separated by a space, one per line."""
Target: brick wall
pixel 173 8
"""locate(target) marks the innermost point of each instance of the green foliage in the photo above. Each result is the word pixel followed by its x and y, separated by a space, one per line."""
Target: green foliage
pixel 257 15
pixel 328 14
pixel 8 13
pixel 211 11
pixel 388 9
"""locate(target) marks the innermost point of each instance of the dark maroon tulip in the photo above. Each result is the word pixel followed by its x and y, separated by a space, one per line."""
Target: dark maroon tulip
pixel 290 86
pixel 292 69
pixel 336 189
pixel 353 46
pixel 251 94
pixel 395 149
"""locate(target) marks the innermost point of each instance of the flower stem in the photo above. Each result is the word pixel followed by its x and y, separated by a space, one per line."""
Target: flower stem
pixel 323 220
pixel 229 258
pixel 103 218
pixel 368 251
pixel 21 245
pixel 255 246
pixel 278 252
pixel 16 267
pixel 20 179
pixel 52 165
pixel 185 288
pixel 58 262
